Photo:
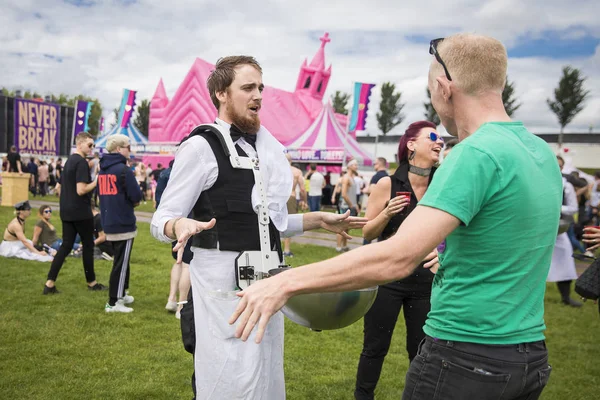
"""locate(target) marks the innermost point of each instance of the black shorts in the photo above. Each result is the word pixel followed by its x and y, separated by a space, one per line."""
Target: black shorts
pixel 187 252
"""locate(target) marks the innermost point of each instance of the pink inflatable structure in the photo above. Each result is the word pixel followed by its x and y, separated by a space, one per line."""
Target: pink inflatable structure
pixel 287 115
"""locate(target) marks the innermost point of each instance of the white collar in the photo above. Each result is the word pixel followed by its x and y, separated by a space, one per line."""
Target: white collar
pixel 278 181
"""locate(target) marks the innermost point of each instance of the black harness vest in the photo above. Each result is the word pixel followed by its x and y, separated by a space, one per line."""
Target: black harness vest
pixel 229 202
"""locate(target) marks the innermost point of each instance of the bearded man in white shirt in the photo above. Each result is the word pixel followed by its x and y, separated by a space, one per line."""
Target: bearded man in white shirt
pixel 204 182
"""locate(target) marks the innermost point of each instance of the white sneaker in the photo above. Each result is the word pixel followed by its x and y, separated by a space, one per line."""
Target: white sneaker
pixel 178 314
pixel 171 306
pixel 107 256
pixel 118 307
pixel 127 299
pixel 588 253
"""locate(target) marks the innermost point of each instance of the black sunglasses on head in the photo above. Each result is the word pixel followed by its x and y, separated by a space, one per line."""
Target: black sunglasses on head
pixel 433 51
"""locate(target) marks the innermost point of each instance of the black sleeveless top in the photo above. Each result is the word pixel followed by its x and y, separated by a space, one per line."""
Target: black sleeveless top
pixel 401 183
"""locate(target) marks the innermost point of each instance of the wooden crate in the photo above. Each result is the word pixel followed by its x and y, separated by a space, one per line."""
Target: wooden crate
pixel 15 188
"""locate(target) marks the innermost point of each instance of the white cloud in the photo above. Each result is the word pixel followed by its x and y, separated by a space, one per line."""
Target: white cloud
pixel 109 46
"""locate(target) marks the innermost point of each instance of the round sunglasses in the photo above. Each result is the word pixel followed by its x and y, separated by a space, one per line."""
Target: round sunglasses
pixel 434 137
pixel 47 211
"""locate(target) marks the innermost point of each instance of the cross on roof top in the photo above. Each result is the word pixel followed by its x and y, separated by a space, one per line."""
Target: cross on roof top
pixel 325 39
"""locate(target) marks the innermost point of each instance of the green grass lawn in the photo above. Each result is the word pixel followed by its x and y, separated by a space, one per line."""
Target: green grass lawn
pixel 65 346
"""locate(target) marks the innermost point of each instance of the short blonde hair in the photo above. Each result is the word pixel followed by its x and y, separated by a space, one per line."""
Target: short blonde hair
pixel 114 141
pixel 476 63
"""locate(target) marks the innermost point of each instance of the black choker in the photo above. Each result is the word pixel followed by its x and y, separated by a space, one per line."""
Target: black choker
pixel 419 171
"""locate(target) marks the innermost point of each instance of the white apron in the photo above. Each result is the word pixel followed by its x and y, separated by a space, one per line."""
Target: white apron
pixel 18 250
pixel 562 267
pixel 226 367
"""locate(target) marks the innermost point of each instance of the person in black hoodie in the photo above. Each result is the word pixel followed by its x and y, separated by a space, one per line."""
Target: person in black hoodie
pixel 119 193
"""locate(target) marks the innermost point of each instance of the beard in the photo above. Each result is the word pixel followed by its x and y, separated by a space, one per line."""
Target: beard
pixel 247 124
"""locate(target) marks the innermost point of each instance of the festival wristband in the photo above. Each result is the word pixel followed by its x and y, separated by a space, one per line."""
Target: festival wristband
pixel 173 228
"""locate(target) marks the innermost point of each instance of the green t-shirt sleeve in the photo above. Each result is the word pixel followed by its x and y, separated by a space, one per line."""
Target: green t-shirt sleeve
pixel 463 184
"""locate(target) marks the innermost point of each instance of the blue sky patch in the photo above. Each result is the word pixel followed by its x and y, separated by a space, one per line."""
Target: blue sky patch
pixel 81 3
pixel 53 57
pixel 420 39
pixel 569 43
pixel 353 42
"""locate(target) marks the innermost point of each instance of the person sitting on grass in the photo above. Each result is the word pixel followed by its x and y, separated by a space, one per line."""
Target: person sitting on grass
pixel 102 248
pixel 15 244
pixel 44 233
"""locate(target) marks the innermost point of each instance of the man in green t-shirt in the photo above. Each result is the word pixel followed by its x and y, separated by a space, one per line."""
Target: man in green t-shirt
pixel 494 205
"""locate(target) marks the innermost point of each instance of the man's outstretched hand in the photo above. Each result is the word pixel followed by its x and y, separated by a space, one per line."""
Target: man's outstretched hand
pixel 258 303
pixel 340 223
pixel 186 228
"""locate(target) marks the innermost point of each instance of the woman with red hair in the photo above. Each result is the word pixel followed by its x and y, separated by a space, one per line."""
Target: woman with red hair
pixel 390 202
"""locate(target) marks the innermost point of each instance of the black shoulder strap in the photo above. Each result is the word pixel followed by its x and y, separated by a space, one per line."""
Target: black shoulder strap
pixel 208 129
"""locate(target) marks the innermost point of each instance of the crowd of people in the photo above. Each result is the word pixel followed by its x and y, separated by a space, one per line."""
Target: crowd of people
pixel 450 251
pixel 45 173
pixel 96 212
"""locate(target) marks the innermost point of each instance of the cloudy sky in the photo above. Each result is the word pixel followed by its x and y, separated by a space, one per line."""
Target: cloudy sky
pixel 100 47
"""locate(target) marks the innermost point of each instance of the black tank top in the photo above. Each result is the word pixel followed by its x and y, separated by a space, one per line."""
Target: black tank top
pixel 401 183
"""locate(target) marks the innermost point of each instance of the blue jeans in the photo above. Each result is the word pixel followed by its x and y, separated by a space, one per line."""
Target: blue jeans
pixel 446 370
pixel 314 203
pixel 58 242
pixel 574 242
pixel 353 212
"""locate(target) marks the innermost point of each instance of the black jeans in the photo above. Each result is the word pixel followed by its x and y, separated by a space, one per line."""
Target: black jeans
pixel 43 188
pixel 85 228
pixel 119 276
pixel 457 371
pixel 34 187
pixel 379 324
pixel 188 332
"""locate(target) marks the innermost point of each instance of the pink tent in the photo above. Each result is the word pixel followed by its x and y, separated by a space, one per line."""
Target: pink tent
pixel 326 142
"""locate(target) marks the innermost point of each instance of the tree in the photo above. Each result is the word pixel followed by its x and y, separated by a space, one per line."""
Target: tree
pixel 430 113
pixel 340 102
pixel 390 108
pixel 6 92
pixel 94 118
pixel 569 97
pixel 508 98
pixel 63 99
pixel 116 121
pixel 142 117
